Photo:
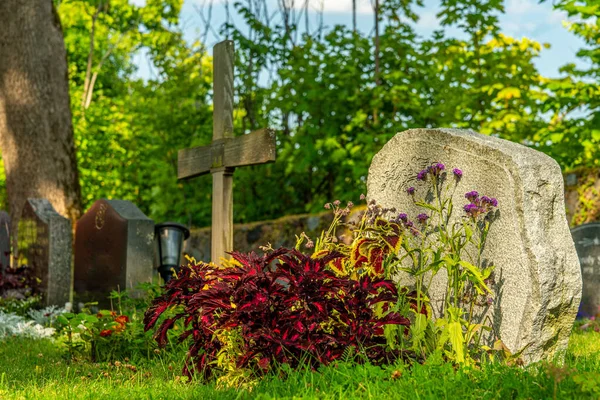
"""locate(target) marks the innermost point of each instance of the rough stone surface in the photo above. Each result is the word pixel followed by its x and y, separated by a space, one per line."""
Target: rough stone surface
pixel 538 279
pixel 114 249
pixel 587 243
pixel 4 241
pixel 45 244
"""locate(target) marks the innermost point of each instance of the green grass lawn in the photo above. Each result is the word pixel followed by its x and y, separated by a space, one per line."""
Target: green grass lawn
pixel 36 370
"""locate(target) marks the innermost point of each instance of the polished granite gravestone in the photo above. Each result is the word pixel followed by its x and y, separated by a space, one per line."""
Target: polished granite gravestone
pixel 45 244
pixel 4 241
pixel 114 250
pixel 587 243
pixel 538 278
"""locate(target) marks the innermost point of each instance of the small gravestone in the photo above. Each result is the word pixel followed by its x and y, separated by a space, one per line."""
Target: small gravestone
pixel 587 243
pixel 45 244
pixel 538 279
pixel 4 241
pixel 113 250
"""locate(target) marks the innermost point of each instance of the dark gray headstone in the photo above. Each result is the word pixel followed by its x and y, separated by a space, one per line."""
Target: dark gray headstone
pixel 4 241
pixel 45 244
pixel 114 243
pixel 587 243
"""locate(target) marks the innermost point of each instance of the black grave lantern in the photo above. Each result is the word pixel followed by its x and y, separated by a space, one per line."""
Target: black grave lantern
pixel 169 238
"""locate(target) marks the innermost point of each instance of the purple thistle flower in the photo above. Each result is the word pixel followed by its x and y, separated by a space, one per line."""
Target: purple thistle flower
pixel 471 209
pixel 402 217
pixel 457 173
pixel 436 168
pixel 471 196
pixel 409 224
pixel 488 202
pixel 422 175
pixel 410 190
pixel 422 218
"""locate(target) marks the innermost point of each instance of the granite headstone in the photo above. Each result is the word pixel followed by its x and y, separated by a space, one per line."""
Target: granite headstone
pixel 587 243
pixel 45 244
pixel 113 250
pixel 538 278
pixel 4 241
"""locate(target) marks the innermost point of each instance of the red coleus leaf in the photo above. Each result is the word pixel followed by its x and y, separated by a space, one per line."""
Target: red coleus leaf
pixel 264 363
pixel 393 241
pixel 299 326
pixel 153 313
pixel 161 334
pixel 376 257
pixel 319 306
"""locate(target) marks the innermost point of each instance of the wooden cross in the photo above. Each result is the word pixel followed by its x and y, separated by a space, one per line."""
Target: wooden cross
pixel 225 152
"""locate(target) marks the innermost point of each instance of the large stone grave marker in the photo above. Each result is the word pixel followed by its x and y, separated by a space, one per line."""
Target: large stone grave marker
pixel 45 244
pixel 113 250
pixel 587 243
pixel 538 279
pixel 4 241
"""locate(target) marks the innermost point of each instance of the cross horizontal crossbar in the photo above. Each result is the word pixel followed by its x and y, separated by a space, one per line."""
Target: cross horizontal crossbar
pixel 258 147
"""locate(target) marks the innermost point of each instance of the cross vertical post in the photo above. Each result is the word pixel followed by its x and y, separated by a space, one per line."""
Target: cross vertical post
pixel 222 204
pixel 225 153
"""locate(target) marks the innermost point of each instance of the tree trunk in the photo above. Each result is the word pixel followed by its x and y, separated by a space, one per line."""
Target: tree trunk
pixel 377 49
pixel 36 132
pixel 354 15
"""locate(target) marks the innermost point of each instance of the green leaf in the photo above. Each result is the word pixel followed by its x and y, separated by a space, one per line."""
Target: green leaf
pixel 457 340
pixel 475 276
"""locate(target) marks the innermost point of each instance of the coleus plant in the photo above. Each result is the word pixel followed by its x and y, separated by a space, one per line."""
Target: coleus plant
pixel 282 307
pixel 20 281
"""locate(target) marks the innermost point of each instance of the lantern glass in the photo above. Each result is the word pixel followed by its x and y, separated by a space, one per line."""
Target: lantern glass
pixel 171 244
pixel 170 237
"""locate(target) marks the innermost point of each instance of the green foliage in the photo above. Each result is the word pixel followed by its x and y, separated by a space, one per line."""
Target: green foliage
pixel 318 88
pixel 20 306
pixel 572 135
pixel 128 130
pixel 333 113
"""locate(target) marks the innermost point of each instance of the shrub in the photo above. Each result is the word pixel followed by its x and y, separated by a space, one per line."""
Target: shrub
pixel 104 336
pixel 18 283
pixel 283 307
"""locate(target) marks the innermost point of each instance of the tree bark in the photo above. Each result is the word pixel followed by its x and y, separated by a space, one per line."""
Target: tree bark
pixel 354 16
pixel 36 131
pixel 377 46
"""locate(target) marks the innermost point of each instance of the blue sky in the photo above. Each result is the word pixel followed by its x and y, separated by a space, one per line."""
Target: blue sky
pixel 523 18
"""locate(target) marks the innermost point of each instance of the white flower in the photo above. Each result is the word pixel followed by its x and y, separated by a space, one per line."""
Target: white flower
pixel 46 316
pixel 14 325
